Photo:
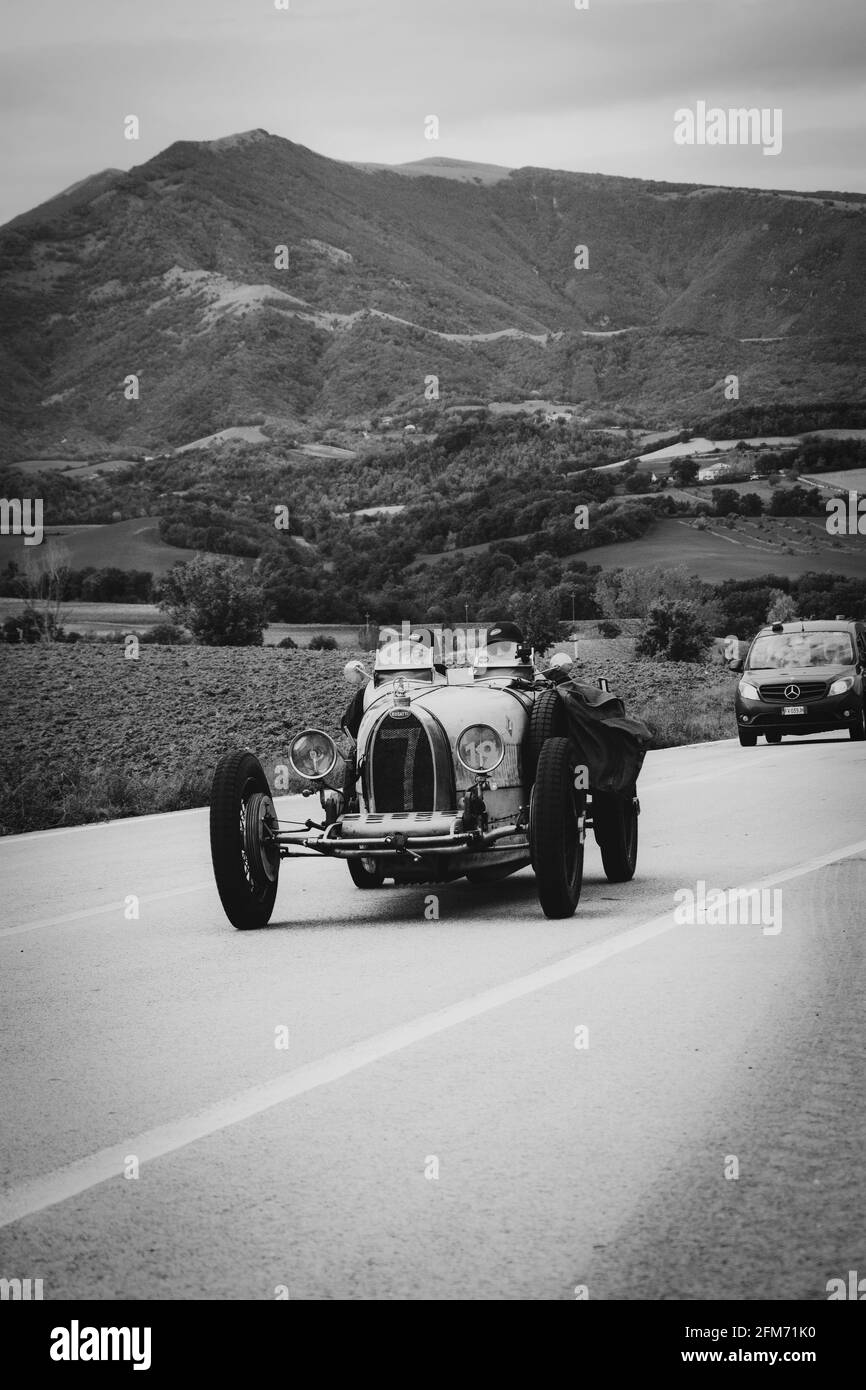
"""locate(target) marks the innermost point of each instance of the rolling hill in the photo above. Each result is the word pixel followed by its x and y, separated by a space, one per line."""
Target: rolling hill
pixel 125 545
pixel 462 272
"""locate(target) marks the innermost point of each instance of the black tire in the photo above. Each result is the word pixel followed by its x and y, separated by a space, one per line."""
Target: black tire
pixel 747 740
pixel 556 814
pixel 773 738
pixel 246 863
pixel 546 719
pixel 614 820
pixel 857 730
pixel 366 872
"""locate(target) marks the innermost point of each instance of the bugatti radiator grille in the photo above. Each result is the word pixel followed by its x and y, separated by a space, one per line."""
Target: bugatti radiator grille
pixel 401 770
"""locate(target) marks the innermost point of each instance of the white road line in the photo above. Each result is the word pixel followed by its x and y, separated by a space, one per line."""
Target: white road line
pixel 9 842
pixel 74 1178
pixel 100 911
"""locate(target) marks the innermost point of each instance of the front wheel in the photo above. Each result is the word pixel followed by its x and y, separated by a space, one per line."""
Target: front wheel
pixel 243 843
pixel 547 718
pixel 773 738
pixel 614 820
pixel 747 740
pixel 557 815
pixel 857 730
pixel 366 872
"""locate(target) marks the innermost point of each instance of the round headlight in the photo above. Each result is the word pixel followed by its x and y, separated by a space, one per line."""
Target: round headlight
pixel 312 754
pixel 480 749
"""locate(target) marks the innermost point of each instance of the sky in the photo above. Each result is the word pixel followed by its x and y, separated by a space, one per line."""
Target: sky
pixel 511 82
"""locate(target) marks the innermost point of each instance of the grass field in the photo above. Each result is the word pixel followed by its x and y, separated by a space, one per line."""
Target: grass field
pixel 719 552
pixel 87 735
pixel 742 552
pixel 103 619
pixel 73 468
pixel 851 480
pixel 97 619
pixel 128 545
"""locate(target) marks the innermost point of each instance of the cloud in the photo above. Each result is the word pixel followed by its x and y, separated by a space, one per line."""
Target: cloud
pixel 512 81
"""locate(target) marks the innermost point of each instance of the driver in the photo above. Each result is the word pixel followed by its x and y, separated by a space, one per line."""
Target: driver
pixel 504 647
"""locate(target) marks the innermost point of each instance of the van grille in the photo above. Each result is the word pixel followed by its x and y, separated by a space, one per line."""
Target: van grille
pixel 809 690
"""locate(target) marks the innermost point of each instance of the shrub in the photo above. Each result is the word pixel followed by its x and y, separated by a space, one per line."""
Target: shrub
pixel 674 631
pixel 608 629
pixel 290 643
pixel 27 626
pixel 321 643
pixel 217 600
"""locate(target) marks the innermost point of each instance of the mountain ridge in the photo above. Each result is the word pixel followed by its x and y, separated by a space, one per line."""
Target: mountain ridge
pixel 169 272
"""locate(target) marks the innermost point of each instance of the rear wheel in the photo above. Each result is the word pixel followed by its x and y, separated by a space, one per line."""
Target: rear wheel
pixel 244 849
pixel 614 820
pixel 366 872
pixel 557 814
pixel 747 740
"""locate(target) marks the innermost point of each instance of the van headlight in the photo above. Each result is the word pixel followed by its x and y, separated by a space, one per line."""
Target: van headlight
pixel 749 691
pixel 841 685
pixel 312 754
pixel 479 748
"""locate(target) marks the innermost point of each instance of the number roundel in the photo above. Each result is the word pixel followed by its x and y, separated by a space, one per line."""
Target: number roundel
pixel 479 748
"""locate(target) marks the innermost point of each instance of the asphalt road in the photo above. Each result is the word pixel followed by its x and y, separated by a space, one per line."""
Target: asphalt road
pixel 486 1105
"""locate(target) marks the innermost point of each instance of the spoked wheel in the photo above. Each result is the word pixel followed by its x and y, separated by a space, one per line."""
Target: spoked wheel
pixel 243 844
pixel 614 820
pixel 366 872
pixel 557 815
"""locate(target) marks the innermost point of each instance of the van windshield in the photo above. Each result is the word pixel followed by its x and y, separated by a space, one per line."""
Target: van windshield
pixel 801 649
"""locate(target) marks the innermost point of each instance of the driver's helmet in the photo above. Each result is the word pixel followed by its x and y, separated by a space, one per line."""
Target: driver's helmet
pixel 503 648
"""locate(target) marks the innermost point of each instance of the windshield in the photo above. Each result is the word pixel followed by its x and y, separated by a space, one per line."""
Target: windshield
pixel 412 660
pixel 801 649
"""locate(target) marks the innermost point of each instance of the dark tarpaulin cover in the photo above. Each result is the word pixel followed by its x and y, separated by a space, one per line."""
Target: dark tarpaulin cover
pixel 613 745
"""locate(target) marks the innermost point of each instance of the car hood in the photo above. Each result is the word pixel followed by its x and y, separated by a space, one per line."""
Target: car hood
pixel 797 675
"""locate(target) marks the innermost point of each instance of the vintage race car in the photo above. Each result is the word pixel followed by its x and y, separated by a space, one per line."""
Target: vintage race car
pixel 454 770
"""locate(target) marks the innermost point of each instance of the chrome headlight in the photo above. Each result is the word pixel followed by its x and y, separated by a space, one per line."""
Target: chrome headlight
pixel 841 685
pixel 749 691
pixel 312 754
pixel 479 748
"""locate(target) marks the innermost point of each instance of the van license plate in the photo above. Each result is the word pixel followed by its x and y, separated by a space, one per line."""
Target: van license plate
pixel 794 709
